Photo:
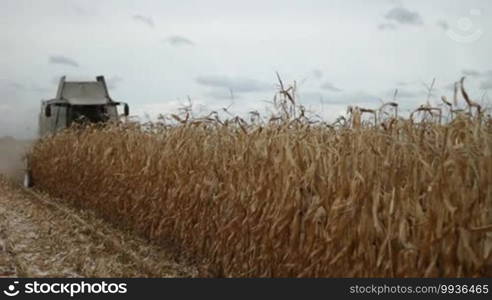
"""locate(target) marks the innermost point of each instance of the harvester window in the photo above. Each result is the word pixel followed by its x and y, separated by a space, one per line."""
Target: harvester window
pixel 88 113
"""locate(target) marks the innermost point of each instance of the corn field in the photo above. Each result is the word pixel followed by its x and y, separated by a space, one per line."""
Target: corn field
pixel 289 197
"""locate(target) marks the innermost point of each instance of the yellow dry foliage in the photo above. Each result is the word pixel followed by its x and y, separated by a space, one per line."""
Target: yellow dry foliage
pixel 290 198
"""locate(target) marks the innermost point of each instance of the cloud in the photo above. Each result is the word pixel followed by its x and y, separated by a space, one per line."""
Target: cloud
pixel 55 80
pixel 387 26
pixel 19 87
pixel 63 60
pixel 177 40
pixel 351 98
pixel 471 72
pixel 79 10
pixel 318 74
pixel 314 75
pixel 222 94
pixel 449 86
pixel 486 84
pixel 476 73
pixel 404 16
pixel 311 97
pixel 236 84
pixel 113 81
pixel 330 87
pixel 404 93
pixel 443 25
pixel 145 20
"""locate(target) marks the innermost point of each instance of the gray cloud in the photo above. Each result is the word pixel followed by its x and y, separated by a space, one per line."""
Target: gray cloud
pixel 9 94
pixel 312 97
pixel 79 10
pixel 404 16
pixel 177 40
pixel 318 74
pixel 449 86
pixel 63 60
pixel 113 81
pixel 404 93
pixel 24 88
pixel 328 86
pixel 471 72
pixel 405 83
pixel 476 73
pixel 145 20
pixel 236 84
pixel 443 25
pixel 222 94
pixel 17 86
pixel 315 74
pixel 359 97
pixel 55 80
pixel 486 84
pixel 387 26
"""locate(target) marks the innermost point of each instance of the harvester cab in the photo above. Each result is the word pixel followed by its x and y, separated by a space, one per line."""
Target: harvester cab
pixel 78 102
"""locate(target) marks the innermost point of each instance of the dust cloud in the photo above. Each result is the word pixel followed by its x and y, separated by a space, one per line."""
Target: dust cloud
pixel 11 156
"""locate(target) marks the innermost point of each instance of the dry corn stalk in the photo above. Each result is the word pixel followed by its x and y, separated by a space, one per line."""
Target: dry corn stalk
pixel 289 197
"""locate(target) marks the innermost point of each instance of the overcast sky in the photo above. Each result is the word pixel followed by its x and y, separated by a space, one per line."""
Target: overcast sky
pixel 157 53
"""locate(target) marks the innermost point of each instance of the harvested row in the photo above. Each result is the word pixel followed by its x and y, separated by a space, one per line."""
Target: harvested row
pixel 41 237
pixel 293 198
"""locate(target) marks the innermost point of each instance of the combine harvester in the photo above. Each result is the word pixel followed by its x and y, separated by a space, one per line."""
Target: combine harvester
pixel 75 102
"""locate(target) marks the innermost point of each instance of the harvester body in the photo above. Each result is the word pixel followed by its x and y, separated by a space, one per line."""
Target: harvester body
pixel 78 101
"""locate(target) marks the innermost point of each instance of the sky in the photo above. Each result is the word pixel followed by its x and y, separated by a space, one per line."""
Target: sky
pixel 223 53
